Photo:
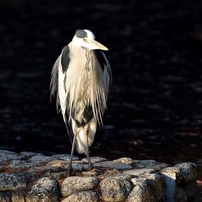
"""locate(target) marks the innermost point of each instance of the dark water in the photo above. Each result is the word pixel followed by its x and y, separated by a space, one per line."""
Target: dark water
pixel 155 107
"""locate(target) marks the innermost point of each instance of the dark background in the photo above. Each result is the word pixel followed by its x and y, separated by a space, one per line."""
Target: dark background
pixel 155 50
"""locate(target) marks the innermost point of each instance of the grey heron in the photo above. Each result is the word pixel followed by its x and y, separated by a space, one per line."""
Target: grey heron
pixel 81 78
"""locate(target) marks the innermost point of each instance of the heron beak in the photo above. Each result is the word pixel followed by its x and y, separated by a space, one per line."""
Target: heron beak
pixel 96 45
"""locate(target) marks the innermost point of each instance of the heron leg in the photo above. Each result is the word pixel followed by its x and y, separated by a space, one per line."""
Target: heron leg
pixel 86 130
pixel 70 169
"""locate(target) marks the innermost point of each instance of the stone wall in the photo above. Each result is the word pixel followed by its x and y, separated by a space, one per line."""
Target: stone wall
pixel 34 177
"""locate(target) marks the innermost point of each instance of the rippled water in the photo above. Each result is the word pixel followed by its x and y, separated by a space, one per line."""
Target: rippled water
pixel 155 107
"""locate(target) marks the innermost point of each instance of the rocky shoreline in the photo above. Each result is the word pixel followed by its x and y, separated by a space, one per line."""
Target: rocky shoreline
pixel 34 177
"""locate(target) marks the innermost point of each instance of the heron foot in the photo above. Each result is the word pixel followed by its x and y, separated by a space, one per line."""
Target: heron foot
pixel 70 171
pixel 90 166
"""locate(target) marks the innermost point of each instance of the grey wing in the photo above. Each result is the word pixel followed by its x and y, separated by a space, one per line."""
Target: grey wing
pixel 105 65
pixel 54 78
pixel 62 60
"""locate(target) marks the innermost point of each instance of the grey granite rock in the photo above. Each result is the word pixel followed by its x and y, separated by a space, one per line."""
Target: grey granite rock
pixel 112 164
pixel 191 190
pixel 19 165
pixel 139 172
pixel 141 193
pixel 115 189
pixel 65 157
pixel 83 196
pixel 5 196
pixel 173 170
pixel 27 155
pixel 76 184
pixel 181 195
pixel 58 163
pixel 156 183
pixel 94 160
pixel 34 177
pixel 188 171
pixel 125 160
pixel 44 190
pixel 39 160
pixel 149 164
pixel 18 180
pixel 18 196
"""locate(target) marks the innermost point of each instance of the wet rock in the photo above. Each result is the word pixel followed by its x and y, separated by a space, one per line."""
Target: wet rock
pixel 76 184
pixel 188 171
pixel 18 180
pixel 44 189
pixel 83 196
pixel 115 189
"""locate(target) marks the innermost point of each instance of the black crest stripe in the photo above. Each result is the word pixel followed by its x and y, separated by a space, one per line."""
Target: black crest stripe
pixel 80 33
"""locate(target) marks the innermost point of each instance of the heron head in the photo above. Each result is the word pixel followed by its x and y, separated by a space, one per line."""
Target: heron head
pixel 86 39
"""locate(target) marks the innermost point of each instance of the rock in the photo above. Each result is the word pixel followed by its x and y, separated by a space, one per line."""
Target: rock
pixel 125 160
pixel 141 193
pixel 19 165
pixel 58 163
pixel 94 160
pixel 191 190
pixel 152 164
pixel 39 160
pixel 173 171
pixel 139 172
pixel 112 164
pixel 188 171
pixel 171 185
pixel 18 180
pixel 64 157
pixel 57 173
pixel 5 196
pixel 181 195
pixel 115 189
pixel 27 155
pixel 156 184
pixel 75 184
pixel 44 190
pixel 18 196
pixel 83 196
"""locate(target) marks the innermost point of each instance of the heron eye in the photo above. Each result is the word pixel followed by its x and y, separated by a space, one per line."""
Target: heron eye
pixel 84 39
